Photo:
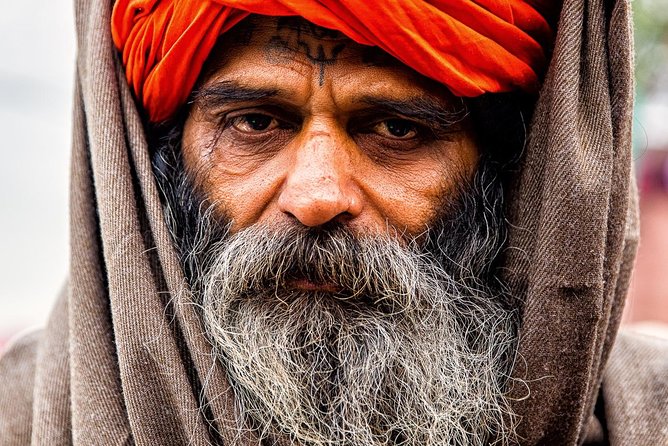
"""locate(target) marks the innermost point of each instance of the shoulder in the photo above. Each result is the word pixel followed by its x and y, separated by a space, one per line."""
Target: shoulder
pixel 635 390
pixel 17 376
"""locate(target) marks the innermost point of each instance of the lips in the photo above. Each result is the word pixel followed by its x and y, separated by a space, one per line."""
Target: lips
pixel 309 285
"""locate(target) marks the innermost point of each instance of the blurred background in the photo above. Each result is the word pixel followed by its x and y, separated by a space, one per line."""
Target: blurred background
pixel 36 79
pixel 648 295
pixel 37 56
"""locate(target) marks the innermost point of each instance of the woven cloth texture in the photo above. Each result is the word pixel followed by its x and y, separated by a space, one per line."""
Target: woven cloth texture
pixel 123 359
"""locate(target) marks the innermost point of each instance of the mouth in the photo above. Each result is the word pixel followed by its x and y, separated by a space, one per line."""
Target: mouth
pixel 303 284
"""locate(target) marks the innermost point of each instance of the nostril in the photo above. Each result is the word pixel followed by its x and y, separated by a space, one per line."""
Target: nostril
pixel 315 208
pixel 343 217
pixel 290 215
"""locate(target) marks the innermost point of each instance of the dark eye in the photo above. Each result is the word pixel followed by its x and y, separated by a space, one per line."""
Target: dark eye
pixel 396 128
pixel 254 123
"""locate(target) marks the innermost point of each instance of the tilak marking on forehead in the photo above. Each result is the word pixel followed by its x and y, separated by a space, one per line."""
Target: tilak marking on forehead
pixel 289 40
pixel 244 33
pixel 300 26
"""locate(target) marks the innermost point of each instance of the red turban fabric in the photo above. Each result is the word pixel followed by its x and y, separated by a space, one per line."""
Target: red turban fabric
pixel 471 46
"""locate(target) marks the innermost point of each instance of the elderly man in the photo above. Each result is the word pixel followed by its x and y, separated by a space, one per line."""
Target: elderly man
pixel 325 223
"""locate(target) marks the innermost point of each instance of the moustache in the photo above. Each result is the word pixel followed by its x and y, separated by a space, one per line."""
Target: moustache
pixel 382 272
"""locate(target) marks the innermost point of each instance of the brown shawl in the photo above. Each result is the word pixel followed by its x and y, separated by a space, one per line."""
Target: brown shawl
pixel 122 359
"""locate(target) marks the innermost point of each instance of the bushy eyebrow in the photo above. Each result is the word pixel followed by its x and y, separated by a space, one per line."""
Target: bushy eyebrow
pixel 225 92
pixel 422 108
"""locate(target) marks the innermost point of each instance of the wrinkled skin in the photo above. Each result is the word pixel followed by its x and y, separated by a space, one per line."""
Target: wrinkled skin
pixel 381 322
pixel 294 122
pixel 337 224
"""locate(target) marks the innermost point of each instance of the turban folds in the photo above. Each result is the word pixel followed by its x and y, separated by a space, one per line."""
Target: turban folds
pixel 470 46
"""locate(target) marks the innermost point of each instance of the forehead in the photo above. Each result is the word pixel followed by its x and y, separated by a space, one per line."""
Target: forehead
pixel 300 35
pixel 288 49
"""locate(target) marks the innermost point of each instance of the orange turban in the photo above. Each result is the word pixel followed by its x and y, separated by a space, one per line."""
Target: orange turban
pixel 470 46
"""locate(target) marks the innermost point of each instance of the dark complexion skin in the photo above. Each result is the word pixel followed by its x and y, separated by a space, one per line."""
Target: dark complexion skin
pixel 296 123
pixel 297 36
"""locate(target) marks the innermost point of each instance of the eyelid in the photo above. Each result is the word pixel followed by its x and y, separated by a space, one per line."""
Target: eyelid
pixel 281 115
pixel 367 122
pixel 441 118
pixel 236 121
pixel 415 128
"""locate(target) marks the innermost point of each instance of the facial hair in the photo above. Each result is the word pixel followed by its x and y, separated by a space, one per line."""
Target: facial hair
pixel 411 344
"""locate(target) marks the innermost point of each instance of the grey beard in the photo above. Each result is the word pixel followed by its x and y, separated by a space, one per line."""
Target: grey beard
pixel 414 346
pixel 401 353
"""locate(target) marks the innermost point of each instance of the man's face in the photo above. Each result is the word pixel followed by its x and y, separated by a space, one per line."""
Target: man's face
pixel 296 123
pixel 338 235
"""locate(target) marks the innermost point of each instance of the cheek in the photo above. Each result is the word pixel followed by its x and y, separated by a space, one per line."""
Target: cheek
pixel 245 192
pixel 407 201
pixel 240 187
pixel 411 196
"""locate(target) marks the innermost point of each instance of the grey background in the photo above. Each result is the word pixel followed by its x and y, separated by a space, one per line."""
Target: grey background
pixel 36 78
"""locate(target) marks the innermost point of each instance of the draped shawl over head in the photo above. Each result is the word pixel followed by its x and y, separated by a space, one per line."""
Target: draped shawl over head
pixel 124 361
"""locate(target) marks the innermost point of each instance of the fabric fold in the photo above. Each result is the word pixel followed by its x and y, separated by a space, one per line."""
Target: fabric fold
pixel 124 359
pixel 470 47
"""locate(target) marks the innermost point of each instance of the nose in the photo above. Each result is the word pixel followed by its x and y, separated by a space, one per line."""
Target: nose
pixel 319 187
